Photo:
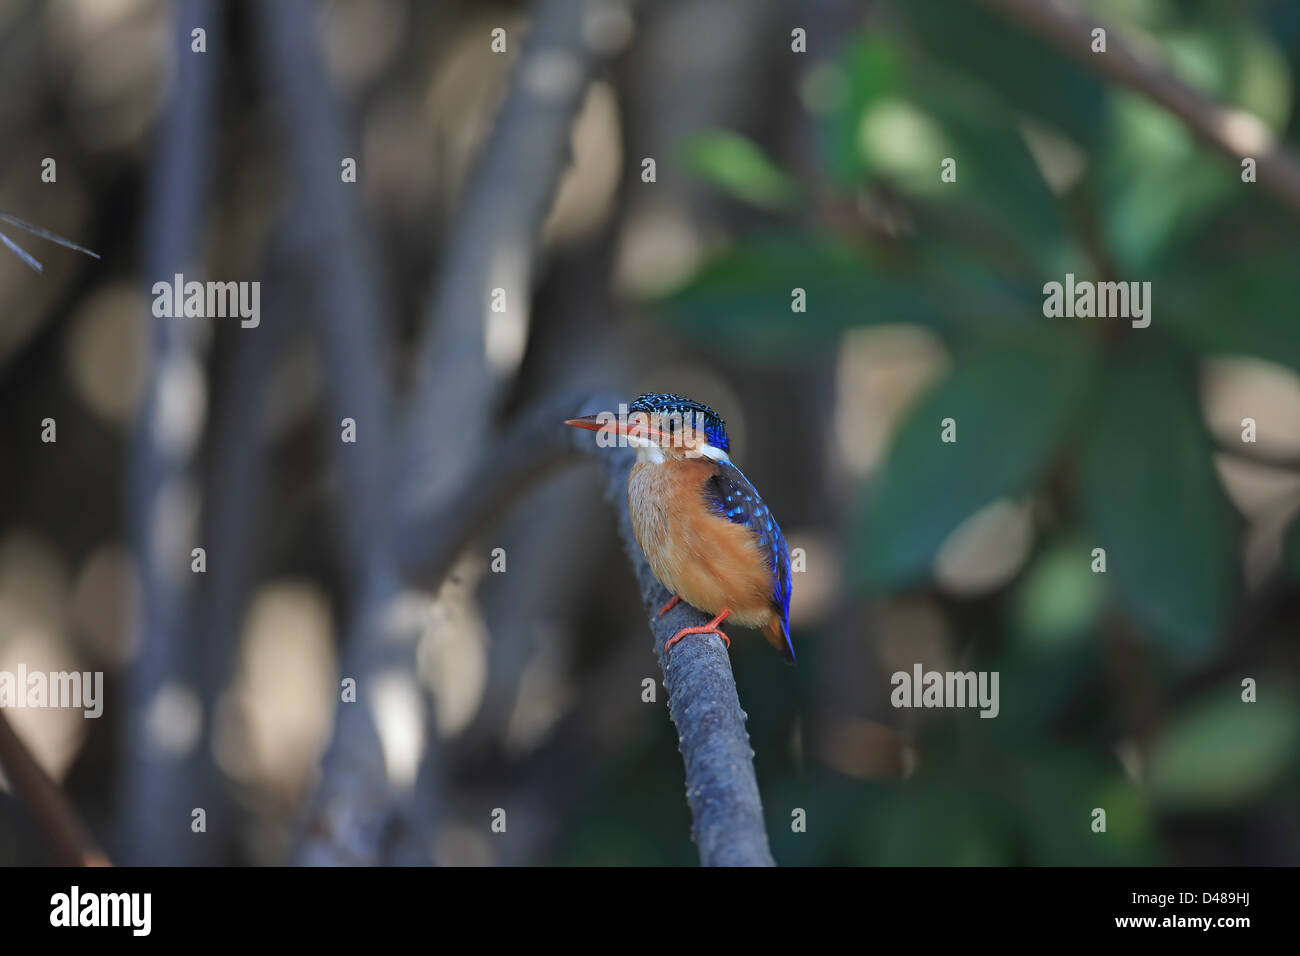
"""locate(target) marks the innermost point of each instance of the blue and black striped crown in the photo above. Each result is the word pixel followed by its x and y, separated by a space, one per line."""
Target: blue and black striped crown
pixel 666 403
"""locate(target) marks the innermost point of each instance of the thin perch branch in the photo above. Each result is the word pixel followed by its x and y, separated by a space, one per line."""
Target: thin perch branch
pixel 720 784
pixel 1234 132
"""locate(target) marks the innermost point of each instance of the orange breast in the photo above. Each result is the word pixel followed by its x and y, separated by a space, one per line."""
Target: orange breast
pixel 708 561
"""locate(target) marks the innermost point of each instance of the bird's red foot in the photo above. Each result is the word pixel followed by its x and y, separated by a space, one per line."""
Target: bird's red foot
pixel 669 606
pixel 710 628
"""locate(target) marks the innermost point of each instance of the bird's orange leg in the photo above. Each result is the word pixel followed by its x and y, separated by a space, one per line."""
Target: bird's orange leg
pixel 670 605
pixel 710 628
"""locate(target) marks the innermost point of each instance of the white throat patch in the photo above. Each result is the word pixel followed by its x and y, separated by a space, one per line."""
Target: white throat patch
pixel 647 452
pixel 715 453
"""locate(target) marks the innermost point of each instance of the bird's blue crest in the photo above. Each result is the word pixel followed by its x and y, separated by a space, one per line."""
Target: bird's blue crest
pixel 666 403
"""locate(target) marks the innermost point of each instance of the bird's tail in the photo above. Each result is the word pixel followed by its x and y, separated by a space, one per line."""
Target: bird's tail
pixel 777 632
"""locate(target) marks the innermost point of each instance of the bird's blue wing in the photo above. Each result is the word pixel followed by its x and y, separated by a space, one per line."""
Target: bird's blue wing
pixel 731 496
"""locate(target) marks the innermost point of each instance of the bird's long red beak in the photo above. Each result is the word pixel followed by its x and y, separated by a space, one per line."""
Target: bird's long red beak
pixel 614 426
pixel 594 423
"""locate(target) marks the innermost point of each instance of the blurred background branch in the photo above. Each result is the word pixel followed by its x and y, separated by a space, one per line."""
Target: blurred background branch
pixel 68 839
pixel 167 768
pixel 475 335
pixel 359 814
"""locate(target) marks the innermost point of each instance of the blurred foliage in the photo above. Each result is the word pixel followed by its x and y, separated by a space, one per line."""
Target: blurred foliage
pixel 737 165
pixel 1099 423
pixel 1150 493
pixel 1247 747
pixel 923 87
pixel 1119 690
pixel 928 486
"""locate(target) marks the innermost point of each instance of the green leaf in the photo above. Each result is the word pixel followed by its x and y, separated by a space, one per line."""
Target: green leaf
pixel 1027 75
pixel 1152 183
pixel 1244 306
pixel 1291 549
pixel 896 122
pixel 739 166
pixel 869 69
pixel 926 825
pixel 1011 399
pixel 998 195
pixel 1059 600
pixel 905 113
pixel 740 301
pixel 1060 673
pixel 1230 58
pixel 1058 791
pixel 1153 501
pixel 1225 751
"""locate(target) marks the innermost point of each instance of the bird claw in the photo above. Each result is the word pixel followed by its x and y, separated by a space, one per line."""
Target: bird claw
pixel 710 628
pixel 670 605
pixel 695 630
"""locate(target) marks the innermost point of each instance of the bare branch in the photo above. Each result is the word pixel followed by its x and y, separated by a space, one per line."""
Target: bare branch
pixel 465 362
pixel 527 449
pixel 159 783
pixel 358 815
pixel 57 819
pixel 494 243
pixel 231 520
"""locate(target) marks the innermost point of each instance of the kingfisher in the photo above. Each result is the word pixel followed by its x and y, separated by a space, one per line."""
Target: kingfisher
pixel 707 534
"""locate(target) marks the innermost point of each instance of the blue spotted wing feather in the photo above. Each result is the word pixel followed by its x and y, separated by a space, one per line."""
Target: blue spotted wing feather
pixel 731 496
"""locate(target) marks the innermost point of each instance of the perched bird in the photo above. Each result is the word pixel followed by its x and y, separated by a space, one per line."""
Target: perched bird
pixel 708 536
